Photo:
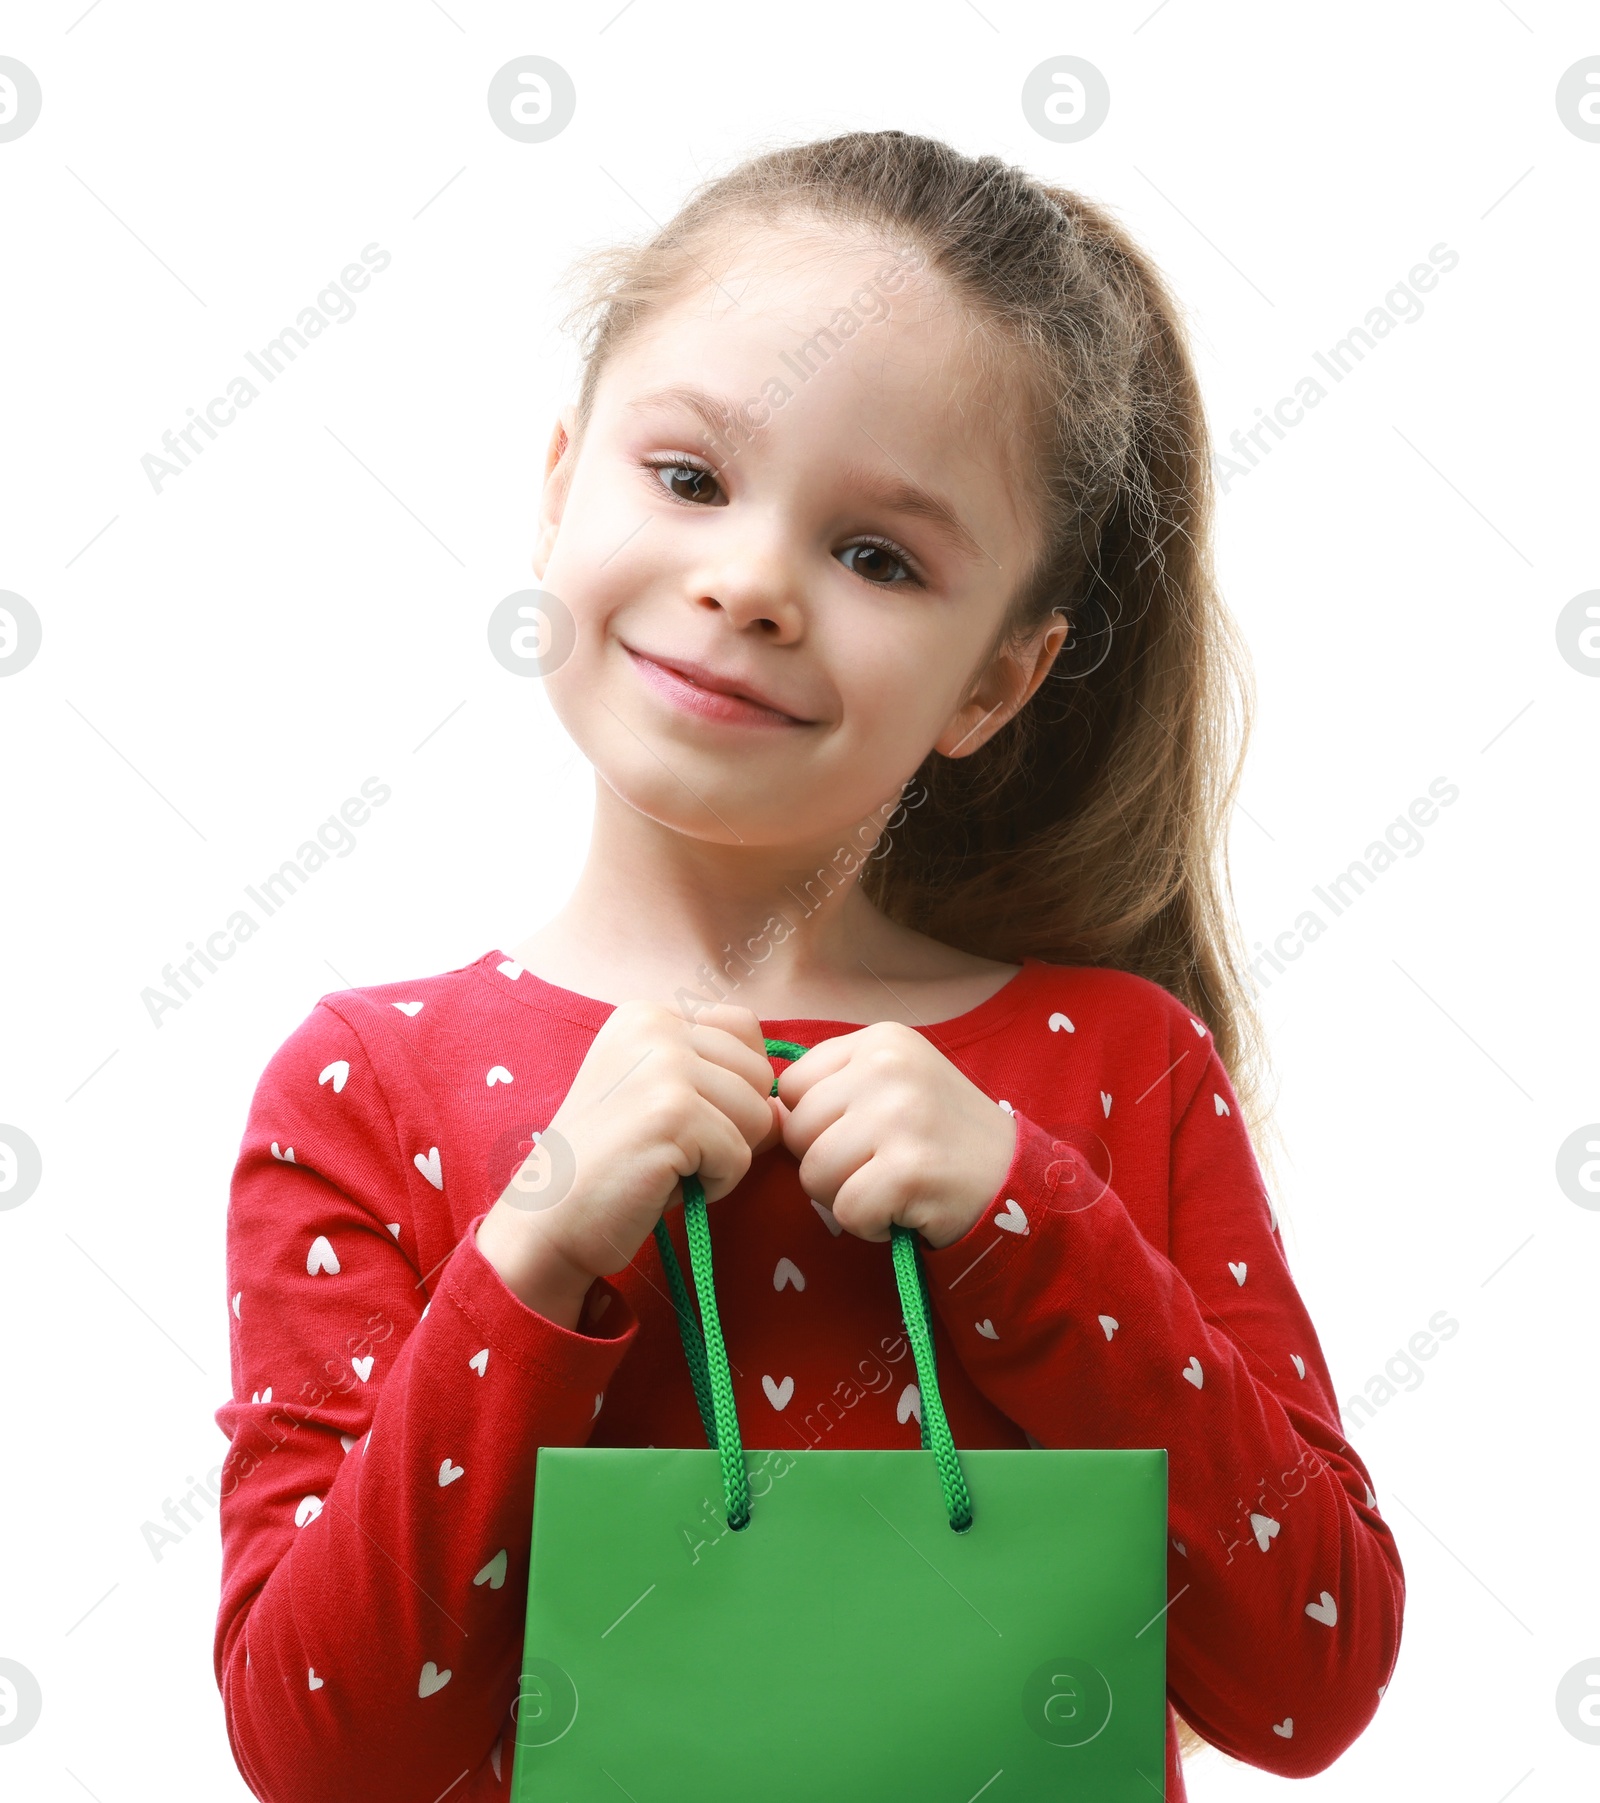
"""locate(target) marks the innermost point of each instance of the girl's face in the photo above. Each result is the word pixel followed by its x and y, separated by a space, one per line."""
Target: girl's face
pixel 841 551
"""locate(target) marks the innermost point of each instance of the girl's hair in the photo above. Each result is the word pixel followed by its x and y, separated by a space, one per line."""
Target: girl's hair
pixel 1091 829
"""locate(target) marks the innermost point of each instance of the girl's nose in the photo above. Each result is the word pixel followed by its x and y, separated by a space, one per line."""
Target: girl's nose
pixel 756 584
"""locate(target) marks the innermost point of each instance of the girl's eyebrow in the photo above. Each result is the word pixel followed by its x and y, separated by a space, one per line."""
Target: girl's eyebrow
pixel 901 495
pixel 898 494
pixel 715 413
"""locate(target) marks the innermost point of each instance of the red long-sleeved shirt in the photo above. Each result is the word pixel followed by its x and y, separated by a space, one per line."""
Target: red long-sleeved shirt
pixel 1126 1287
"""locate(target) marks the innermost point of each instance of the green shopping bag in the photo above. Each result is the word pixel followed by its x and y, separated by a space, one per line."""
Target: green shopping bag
pixel 878 1625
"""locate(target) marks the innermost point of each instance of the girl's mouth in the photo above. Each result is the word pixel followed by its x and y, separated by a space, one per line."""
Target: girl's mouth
pixel 709 704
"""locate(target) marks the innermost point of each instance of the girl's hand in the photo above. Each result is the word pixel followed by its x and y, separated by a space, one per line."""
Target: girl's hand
pixel 656 1097
pixel 888 1130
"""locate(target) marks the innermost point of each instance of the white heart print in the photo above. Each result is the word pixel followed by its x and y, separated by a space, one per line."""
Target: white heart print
pixel 1238 1270
pixel 1222 1107
pixel 497 1074
pixel 1060 1024
pixel 307 1510
pixel 362 1367
pixel 315 1682
pixel 494 1573
pixel 284 1157
pixel 1105 1102
pixel 1110 1324
pixel 337 1073
pixel 432 1679
pixel 448 1473
pixel 910 1403
pixel 480 1361
pixel 1298 1363
pixel 1325 1610
pixel 787 1271
pixel 1285 1727
pixel 430 1167
pixel 410 1009
pixel 1265 1529
pixel 1013 1220
pixel 986 1328
pixel 778 1394
pixel 1193 1372
pixel 321 1257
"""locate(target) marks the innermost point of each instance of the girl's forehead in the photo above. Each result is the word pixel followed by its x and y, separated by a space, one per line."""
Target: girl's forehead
pixel 821 336
pixel 824 297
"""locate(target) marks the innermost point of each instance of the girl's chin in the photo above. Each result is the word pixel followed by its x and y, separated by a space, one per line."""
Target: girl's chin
pixel 694 804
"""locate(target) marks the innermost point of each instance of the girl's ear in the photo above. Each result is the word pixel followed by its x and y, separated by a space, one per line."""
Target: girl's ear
pixel 558 460
pixel 1003 691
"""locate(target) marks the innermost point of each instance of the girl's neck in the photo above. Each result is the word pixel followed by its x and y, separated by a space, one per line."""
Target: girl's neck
pixel 784 931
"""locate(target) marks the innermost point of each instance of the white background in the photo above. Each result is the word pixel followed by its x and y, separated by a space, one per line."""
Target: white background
pixel 223 663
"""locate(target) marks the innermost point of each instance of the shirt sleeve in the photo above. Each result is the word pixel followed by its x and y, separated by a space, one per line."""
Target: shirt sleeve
pixel 377 1495
pixel 1286 1585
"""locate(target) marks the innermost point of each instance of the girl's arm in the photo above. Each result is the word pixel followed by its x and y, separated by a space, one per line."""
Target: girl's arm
pixel 1286 1585
pixel 378 1494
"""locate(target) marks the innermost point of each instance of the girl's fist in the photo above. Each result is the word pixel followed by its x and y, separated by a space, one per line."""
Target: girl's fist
pixel 888 1131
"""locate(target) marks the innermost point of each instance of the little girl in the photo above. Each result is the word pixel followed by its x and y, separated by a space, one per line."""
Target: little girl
pixel 875 553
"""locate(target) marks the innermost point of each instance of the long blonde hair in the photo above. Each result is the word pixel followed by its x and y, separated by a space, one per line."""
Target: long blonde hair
pixel 1091 829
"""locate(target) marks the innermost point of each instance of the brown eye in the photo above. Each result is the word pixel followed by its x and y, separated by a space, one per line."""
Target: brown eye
pixel 685 481
pixel 880 562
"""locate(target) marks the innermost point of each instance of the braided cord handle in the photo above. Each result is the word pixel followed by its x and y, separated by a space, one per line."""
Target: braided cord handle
pixel 708 1358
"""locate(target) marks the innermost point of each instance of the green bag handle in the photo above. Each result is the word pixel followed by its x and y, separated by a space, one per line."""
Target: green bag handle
pixel 708 1358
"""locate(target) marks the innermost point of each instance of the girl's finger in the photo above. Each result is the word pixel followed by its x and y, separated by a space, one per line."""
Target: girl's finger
pixel 814 1110
pixel 856 1203
pixel 834 1157
pixel 721 1149
pixel 823 1059
pixel 743 1102
pixel 732 1037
